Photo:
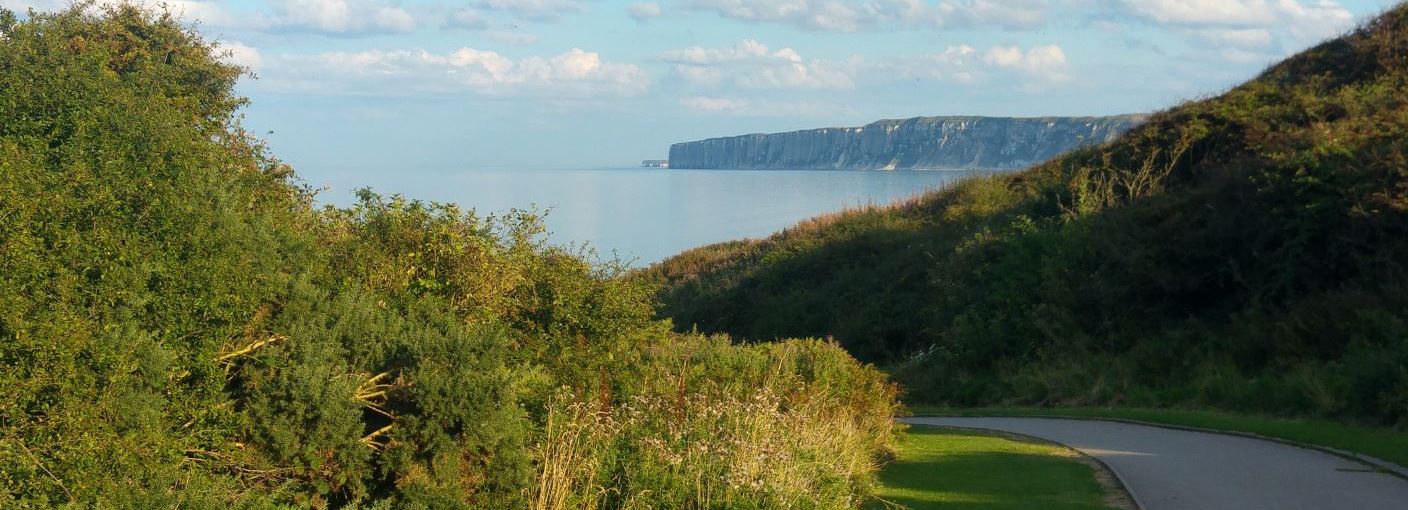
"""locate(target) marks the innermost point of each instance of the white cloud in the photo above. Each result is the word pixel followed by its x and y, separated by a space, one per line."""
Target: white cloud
pixel 1243 32
pixel 492 29
pixel 747 50
pixel 1240 37
pixel 240 54
pixel 830 15
pixel 1205 12
pixel 751 64
pixel 1033 69
pixel 850 16
pixel 1241 56
pixel 1292 24
pixel 1045 63
pixel 211 12
pixel 960 54
pixel 340 16
pixel 573 74
pixel 1302 21
pixel 644 11
pixel 768 108
pixel 533 9
pixel 699 75
pixel 1005 13
pixel 956 64
pixel 713 104
pixel 466 19
pixel 1312 23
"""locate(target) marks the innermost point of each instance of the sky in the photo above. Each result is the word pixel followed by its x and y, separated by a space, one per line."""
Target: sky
pixel 354 91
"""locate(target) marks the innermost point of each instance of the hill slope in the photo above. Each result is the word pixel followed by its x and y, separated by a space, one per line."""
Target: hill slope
pixel 920 142
pixel 1246 251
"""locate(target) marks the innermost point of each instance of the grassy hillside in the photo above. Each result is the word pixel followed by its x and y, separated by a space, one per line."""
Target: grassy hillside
pixel 1245 252
pixel 180 327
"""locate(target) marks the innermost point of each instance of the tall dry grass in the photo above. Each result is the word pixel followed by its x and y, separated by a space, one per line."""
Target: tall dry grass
pixel 797 424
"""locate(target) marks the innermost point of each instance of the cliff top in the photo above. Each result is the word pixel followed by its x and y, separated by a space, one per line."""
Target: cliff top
pixel 935 119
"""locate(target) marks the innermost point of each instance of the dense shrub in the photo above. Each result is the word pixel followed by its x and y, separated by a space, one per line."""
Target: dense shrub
pixel 181 327
pixel 1245 252
pixel 142 231
pixel 796 424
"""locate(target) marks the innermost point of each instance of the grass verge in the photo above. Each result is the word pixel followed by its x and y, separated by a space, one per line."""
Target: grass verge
pixel 957 469
pixel 1384 444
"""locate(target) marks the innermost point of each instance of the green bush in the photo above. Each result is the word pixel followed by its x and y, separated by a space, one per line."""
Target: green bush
pixel 181 327
pixel 141 230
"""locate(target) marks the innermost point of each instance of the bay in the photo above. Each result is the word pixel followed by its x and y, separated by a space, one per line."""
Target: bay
pixel 643 215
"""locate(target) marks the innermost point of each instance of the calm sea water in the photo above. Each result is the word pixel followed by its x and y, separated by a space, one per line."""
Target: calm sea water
pixel 644 215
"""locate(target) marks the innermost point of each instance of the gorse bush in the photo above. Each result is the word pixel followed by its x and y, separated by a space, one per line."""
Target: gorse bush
pixel 181 327
pixel 1244 252
pixel 141 232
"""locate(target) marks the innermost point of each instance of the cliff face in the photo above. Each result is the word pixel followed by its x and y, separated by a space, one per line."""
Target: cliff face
pixel 921 142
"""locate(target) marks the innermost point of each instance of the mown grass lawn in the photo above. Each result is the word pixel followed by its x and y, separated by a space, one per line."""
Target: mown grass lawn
pixel 941 468
pixel 1386 444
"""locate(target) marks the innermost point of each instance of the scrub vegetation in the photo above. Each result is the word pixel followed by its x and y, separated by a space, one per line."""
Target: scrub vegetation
pixel 1244 252
pixel 180 326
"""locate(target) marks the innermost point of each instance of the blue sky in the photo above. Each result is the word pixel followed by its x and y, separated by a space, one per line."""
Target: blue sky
pixel 356 92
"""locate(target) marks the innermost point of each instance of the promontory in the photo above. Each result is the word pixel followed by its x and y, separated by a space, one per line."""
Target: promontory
pixel 920 142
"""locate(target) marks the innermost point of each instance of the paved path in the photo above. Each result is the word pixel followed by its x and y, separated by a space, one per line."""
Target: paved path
pixel 1167 469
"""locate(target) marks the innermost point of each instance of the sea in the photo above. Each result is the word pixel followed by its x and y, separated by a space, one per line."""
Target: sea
pixel 643 215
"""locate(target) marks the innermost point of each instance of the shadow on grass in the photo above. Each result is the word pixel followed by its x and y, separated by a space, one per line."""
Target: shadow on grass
pixel 952 469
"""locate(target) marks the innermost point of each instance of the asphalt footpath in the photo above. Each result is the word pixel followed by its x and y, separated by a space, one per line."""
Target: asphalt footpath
pixel 1171 469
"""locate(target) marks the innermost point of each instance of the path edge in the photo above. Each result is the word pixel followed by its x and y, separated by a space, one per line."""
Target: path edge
pixel 1120 484
pixel 1384 466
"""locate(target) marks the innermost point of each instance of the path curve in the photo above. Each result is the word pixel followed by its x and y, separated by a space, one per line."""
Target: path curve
pixel 1170 469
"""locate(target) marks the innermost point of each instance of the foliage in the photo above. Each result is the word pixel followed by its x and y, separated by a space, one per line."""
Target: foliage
pixel 1242 252
pixel 794 424
pixel 141 231
pixel 181 327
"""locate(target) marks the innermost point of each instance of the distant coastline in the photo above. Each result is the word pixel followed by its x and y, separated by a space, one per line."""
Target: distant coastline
pixel 920 143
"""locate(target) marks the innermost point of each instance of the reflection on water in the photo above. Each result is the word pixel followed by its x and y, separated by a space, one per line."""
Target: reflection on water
pixel 646 214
